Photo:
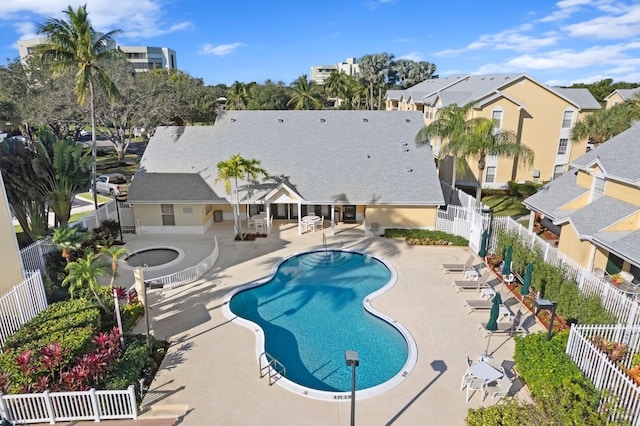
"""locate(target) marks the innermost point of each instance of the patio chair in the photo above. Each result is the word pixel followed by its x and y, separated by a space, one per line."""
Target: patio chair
pixel 458 267
pixel 320 224
pixel 475 384
pixel 478 305
pixel 501 388
pixel 503 328
pixel 251 226
pixel 473 284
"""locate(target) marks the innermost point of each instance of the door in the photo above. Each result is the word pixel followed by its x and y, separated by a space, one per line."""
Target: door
pixel 349 213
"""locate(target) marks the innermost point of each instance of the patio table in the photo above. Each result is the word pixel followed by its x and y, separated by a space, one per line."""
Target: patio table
pixel 311 220
pixel 626 287
pixel 485 372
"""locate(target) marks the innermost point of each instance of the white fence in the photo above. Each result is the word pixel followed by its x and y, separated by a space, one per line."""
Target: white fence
pixel 620 394
pixel 626 309
pixel 33 255
pixel 55 407
pixel 20 304
pixel 114 210
pixel 185 276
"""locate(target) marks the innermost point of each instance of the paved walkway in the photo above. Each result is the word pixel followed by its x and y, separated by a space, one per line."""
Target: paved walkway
pixel 210 373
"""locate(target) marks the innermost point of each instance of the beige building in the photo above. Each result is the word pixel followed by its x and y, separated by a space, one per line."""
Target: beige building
pixel 621 95
pixel 320 73
pixel 597 206
pixel 541 116
pixel 10 261
pixel 342 166
pixel 143 58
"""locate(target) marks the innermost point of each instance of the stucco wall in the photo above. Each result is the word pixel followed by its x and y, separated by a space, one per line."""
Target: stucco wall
pixel 623 192
pixel 10 261
pixel 600 258
pixel 613 100
pixel 584 179
pixel 409 216
pixel 569 244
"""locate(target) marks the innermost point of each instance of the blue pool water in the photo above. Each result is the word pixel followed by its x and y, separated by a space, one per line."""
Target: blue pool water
pixel 311 312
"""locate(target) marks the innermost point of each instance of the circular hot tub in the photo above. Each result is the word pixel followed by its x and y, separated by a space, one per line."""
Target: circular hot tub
pixel 154 258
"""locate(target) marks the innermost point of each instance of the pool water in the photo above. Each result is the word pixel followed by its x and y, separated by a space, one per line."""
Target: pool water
pixel 311 312
pixel 152 257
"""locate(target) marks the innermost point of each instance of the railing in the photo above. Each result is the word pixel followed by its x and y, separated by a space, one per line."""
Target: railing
pixel 33 255
pixel 20 304
pixel 185 276
pixel 52 407
pixel 273 368
pixel 620 395
pixel 626 309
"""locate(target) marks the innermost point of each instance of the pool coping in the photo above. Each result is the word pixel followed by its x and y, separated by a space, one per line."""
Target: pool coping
pixel 181 255
pixel 412 349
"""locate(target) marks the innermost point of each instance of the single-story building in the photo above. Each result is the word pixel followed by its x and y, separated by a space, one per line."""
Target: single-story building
pixel 351 166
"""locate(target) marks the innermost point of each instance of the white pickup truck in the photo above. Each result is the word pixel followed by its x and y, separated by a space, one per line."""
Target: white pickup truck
pixel 114 184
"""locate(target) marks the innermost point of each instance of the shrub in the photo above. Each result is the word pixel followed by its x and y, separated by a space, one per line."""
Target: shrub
pixel 426 237
pixel 523 190
pixel 511 413
pixel 130 314
pixel 130 365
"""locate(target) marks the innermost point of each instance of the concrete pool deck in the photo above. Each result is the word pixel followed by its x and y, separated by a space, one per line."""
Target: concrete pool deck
pixel 210 374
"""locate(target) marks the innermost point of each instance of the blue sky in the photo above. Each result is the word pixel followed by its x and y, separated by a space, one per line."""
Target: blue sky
pixel 556 42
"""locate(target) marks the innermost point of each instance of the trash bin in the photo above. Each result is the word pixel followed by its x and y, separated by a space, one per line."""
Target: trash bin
pixel 217 216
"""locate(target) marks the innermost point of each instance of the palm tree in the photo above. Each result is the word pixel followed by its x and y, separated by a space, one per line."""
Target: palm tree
pixel 68 240
pixel 115 252
pixel 304 94
pixel 84 272
pixel 486 138
pixel 450 125
pixel 237 95
pixel 74 45
pixel 230 171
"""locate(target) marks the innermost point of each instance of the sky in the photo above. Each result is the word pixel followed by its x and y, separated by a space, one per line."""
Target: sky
pixel 221 41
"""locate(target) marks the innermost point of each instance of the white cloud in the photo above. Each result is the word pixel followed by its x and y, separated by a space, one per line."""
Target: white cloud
pixel 412 56
pixel 566 9
pixel 608 27
pixel 221 49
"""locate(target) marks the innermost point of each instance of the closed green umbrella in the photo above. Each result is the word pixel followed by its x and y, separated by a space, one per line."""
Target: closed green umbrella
pixel 527 279
pixel 506 268
pixel 492 325
pixel 483 244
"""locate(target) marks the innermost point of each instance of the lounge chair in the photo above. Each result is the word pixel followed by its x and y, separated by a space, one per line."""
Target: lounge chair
pixel 508 327
pixel 478 305
pixel 458 267
pixel 473 284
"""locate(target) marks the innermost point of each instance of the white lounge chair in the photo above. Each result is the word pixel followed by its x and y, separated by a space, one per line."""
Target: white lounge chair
pixel 478 305
pixel 458 267
pixel 473 284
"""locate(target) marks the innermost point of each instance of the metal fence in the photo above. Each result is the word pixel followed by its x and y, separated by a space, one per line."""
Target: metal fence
pixel 20 304
pixel 626 309
pixel 119 211
pixel 33 255
pixel 185 276
pixel 620 394
pixel 55 407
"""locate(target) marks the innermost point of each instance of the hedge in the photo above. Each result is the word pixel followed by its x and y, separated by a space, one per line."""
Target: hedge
pixel 423 236
pixel 130 365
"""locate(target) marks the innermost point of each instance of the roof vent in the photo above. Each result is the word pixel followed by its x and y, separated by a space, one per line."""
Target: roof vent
pixel 404 144
pixel 408 169
pixel 365 120
pixel 280 120
pixel 233 120
pixel 407 120
pixel 322 120
pixel 405 149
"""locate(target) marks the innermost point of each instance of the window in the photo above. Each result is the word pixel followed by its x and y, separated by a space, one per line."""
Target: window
pixel 562 146
pixel 166 211
pixel 598 187
pixel 491 174
pixel 496 115
pixel 567 119
pixel 558 170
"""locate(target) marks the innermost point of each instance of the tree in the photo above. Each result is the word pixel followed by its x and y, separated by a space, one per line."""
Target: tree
pixel 305 95
pixel 269 96
pixel 600 126
pixel 84 272
pixel 238 95
pixel 344 87
pixel 74 44
pixel 374 69
pixel 409 73
pixel 451 126
pixel 485 138
pixel 115 252
pixel 67 239
pixel 230 172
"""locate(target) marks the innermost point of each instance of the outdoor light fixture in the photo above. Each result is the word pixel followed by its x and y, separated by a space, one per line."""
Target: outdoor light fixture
pixel 352 360
pixel 549 306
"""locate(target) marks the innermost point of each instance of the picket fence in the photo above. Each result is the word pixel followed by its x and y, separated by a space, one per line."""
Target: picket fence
pixel 52 407
pixel 23 302
pixel 620 396
pixel 119 211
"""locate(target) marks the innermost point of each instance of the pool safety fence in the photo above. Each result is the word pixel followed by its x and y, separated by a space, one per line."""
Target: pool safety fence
pixel 33 255
pixel 620 395
pixel 120 211
pixel 23 302
pixel 52 407
pixel 186 276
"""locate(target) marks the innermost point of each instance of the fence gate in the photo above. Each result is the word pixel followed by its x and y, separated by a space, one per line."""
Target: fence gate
pixel 127 221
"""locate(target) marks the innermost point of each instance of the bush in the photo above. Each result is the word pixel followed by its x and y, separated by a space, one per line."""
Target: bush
pixel 425 237
pixel 511 413
pixel 130 365
pixel 130 314
pixel 523 190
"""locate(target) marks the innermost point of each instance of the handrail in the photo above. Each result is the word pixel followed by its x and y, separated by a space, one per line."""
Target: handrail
pixel 271 368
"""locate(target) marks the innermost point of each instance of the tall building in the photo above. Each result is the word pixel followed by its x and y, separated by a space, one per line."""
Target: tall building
pixel 143 58
pixel 320 73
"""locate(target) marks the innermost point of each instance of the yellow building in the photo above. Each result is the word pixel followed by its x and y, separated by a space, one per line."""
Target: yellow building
pixel 541 116
pixel 10 261
pixel 621 95
pixel 597 206
pixel 350 166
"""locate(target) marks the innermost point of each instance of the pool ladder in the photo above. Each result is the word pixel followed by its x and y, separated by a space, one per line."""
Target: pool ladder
pixel 272 368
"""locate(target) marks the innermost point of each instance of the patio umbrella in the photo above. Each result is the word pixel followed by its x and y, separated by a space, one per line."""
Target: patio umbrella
pixel 483 244
pixel 506 268
pixel 526 280
pixel 492 325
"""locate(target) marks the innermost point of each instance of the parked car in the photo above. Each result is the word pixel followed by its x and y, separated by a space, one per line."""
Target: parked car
pixel 114 184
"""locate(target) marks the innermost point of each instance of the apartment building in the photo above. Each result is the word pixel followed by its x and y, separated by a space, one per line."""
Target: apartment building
pixel 541 116
pixel 621 95
pixel 320 73
pixel 10 261
pixel 597 206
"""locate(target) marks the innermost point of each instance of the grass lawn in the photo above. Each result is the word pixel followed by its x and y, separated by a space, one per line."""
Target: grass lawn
pixel 88 197
pixel 77 216
pixel 506 205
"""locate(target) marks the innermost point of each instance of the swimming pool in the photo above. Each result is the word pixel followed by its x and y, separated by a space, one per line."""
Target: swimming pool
pixel 315 306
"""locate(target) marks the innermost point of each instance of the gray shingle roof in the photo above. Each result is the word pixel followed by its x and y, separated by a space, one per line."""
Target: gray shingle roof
pixel 626 94
pixel 619 156
pixel 624 244
pixel 600 214
pixel 360 157
pixel 175 187
pixel 554 195
pixel 581 97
